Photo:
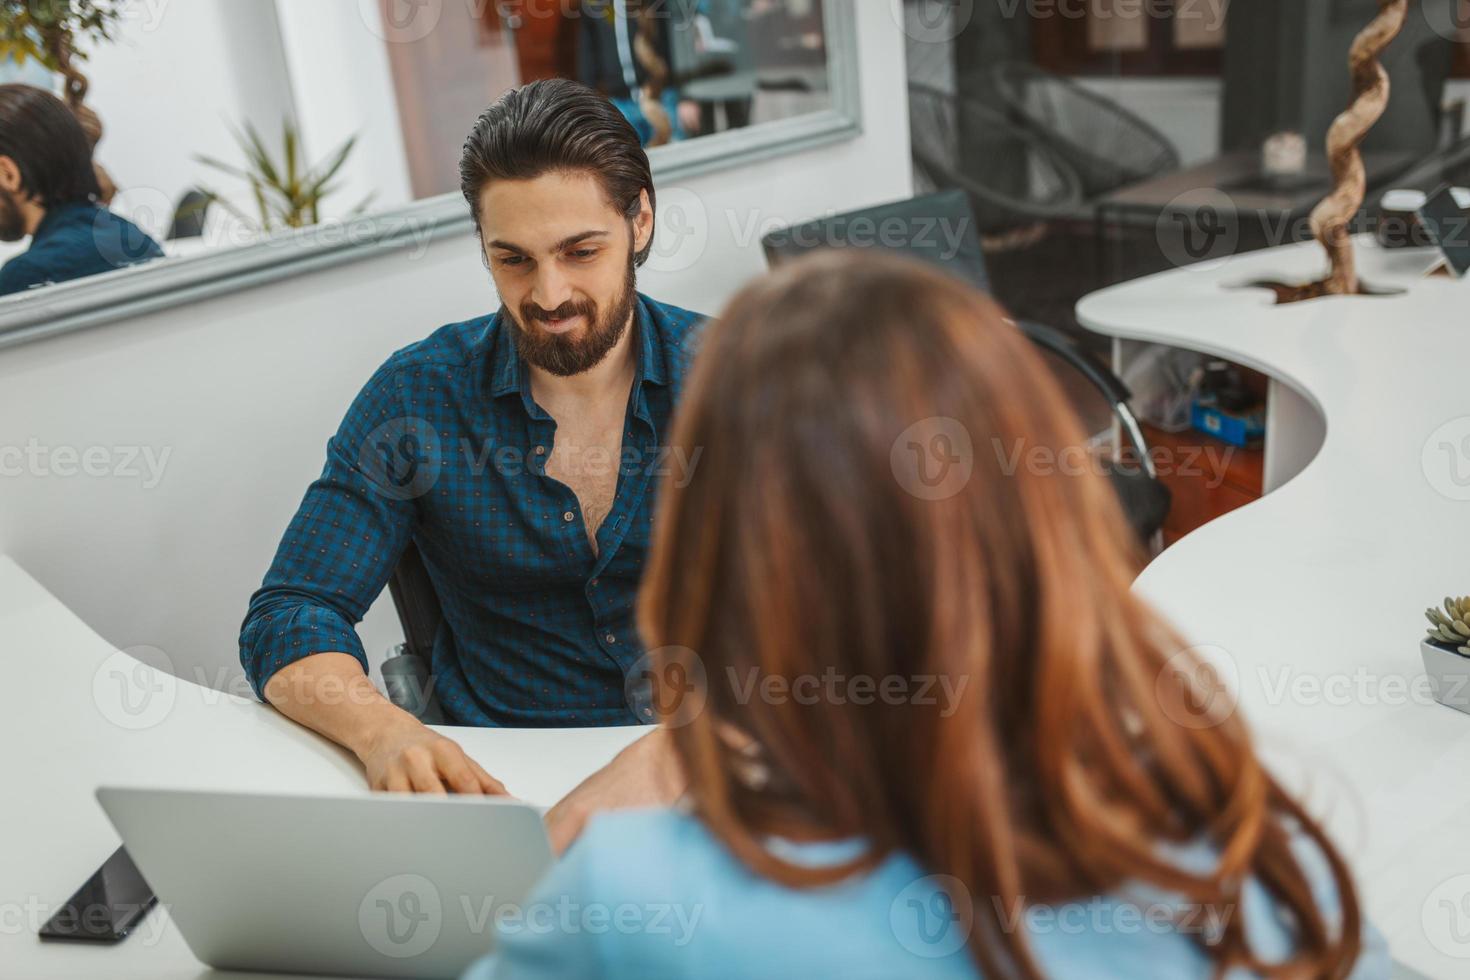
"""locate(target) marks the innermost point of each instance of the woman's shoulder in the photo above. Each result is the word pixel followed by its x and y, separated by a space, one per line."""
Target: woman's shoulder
pixel 651 860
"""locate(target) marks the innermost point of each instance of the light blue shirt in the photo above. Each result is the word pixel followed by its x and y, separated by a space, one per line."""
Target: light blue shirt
pixel 651 894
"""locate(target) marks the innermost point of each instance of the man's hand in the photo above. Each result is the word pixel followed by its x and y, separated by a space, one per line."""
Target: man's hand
pixel 689 117
pixel 409 757
pixel 329 693
pixel 646 773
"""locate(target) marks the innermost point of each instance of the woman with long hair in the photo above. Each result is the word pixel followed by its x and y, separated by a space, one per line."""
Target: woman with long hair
pixel 922 724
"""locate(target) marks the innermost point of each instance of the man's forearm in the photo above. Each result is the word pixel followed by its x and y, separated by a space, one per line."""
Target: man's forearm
pixel 330 694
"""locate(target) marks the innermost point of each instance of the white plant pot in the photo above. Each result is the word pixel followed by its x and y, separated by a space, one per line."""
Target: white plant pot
pixel 1449 675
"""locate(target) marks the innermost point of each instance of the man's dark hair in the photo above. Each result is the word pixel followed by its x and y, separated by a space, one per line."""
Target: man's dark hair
pixel 48 146
pixel 557 125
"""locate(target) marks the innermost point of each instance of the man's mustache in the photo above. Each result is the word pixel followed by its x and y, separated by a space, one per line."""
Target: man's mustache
pixel 562 312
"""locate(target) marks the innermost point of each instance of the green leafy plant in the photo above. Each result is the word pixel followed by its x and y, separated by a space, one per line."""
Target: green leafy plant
pixel 287 192
pixel 48 31
pixel 1451 628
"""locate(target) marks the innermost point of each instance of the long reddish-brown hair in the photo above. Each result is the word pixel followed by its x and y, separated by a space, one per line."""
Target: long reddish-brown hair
pixel 801 546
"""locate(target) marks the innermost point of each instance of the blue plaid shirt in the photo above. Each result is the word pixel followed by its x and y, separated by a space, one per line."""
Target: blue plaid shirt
pixel 74 240
pixel 445 447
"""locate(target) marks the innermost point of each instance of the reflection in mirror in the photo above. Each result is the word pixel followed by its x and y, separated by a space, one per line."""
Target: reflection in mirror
pixel 51 194
pixel 677 69
pixel 222 123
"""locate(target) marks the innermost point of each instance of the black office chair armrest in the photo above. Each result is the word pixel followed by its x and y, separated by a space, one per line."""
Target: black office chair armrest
pixel 406 675
pixel 1082 360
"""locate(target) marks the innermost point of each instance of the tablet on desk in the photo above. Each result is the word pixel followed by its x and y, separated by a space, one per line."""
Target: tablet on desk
pixel 1446 217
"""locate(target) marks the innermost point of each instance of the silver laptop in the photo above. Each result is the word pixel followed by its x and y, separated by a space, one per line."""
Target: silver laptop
pixel 380 885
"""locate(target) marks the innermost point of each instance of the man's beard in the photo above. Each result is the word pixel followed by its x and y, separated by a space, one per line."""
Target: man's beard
pixel 563 354
pixel 12 224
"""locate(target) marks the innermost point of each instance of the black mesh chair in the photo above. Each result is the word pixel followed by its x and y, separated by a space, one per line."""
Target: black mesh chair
pixel 1036 227
pixel 1013 178
pixel 1145 500
pixel 1105 144
pixel 406 674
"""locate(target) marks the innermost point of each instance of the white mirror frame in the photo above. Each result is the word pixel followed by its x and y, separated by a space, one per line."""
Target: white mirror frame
pixel 131 292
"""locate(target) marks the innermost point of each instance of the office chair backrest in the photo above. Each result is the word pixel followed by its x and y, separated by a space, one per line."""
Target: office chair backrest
pixel 938 228
pixel 417 602
pixel 189 215
pixel 407 677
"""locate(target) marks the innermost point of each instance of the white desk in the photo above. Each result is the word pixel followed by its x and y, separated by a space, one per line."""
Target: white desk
pixel 1312 597
pixel 76 713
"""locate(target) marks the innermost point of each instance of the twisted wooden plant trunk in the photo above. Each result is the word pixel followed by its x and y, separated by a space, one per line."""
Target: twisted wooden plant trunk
pixel 1332 217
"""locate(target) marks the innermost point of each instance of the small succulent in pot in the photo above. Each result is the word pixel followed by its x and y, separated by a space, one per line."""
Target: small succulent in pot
pixel 1450 629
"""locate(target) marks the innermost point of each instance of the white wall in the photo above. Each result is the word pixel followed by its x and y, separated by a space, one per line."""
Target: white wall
pixel 338 65
pixel 167 88
pixel 1186 110
pixel 242 392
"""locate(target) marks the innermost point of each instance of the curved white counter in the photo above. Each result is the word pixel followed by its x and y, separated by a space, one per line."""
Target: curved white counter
pixel 77 713
pixel 1311 599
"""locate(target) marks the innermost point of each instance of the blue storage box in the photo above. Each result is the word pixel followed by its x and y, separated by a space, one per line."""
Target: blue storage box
pixel 1238 429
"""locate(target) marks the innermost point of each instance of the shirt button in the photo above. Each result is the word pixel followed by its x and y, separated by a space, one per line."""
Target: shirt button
pixel 568 517
pixel 610 638
pixel 540 450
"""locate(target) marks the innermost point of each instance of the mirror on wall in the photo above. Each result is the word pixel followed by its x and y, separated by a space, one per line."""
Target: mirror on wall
pixel 228 125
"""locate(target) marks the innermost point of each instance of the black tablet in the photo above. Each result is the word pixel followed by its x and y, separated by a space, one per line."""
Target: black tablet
pixel 1447 220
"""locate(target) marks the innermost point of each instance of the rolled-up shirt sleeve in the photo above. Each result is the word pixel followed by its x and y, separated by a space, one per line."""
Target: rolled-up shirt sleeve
pixel 346 537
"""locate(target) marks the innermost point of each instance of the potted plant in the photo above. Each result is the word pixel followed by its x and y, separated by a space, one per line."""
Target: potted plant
pixel 1446 652
pixel 288 191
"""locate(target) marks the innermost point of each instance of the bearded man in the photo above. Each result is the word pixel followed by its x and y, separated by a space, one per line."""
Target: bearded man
pixel 517 451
